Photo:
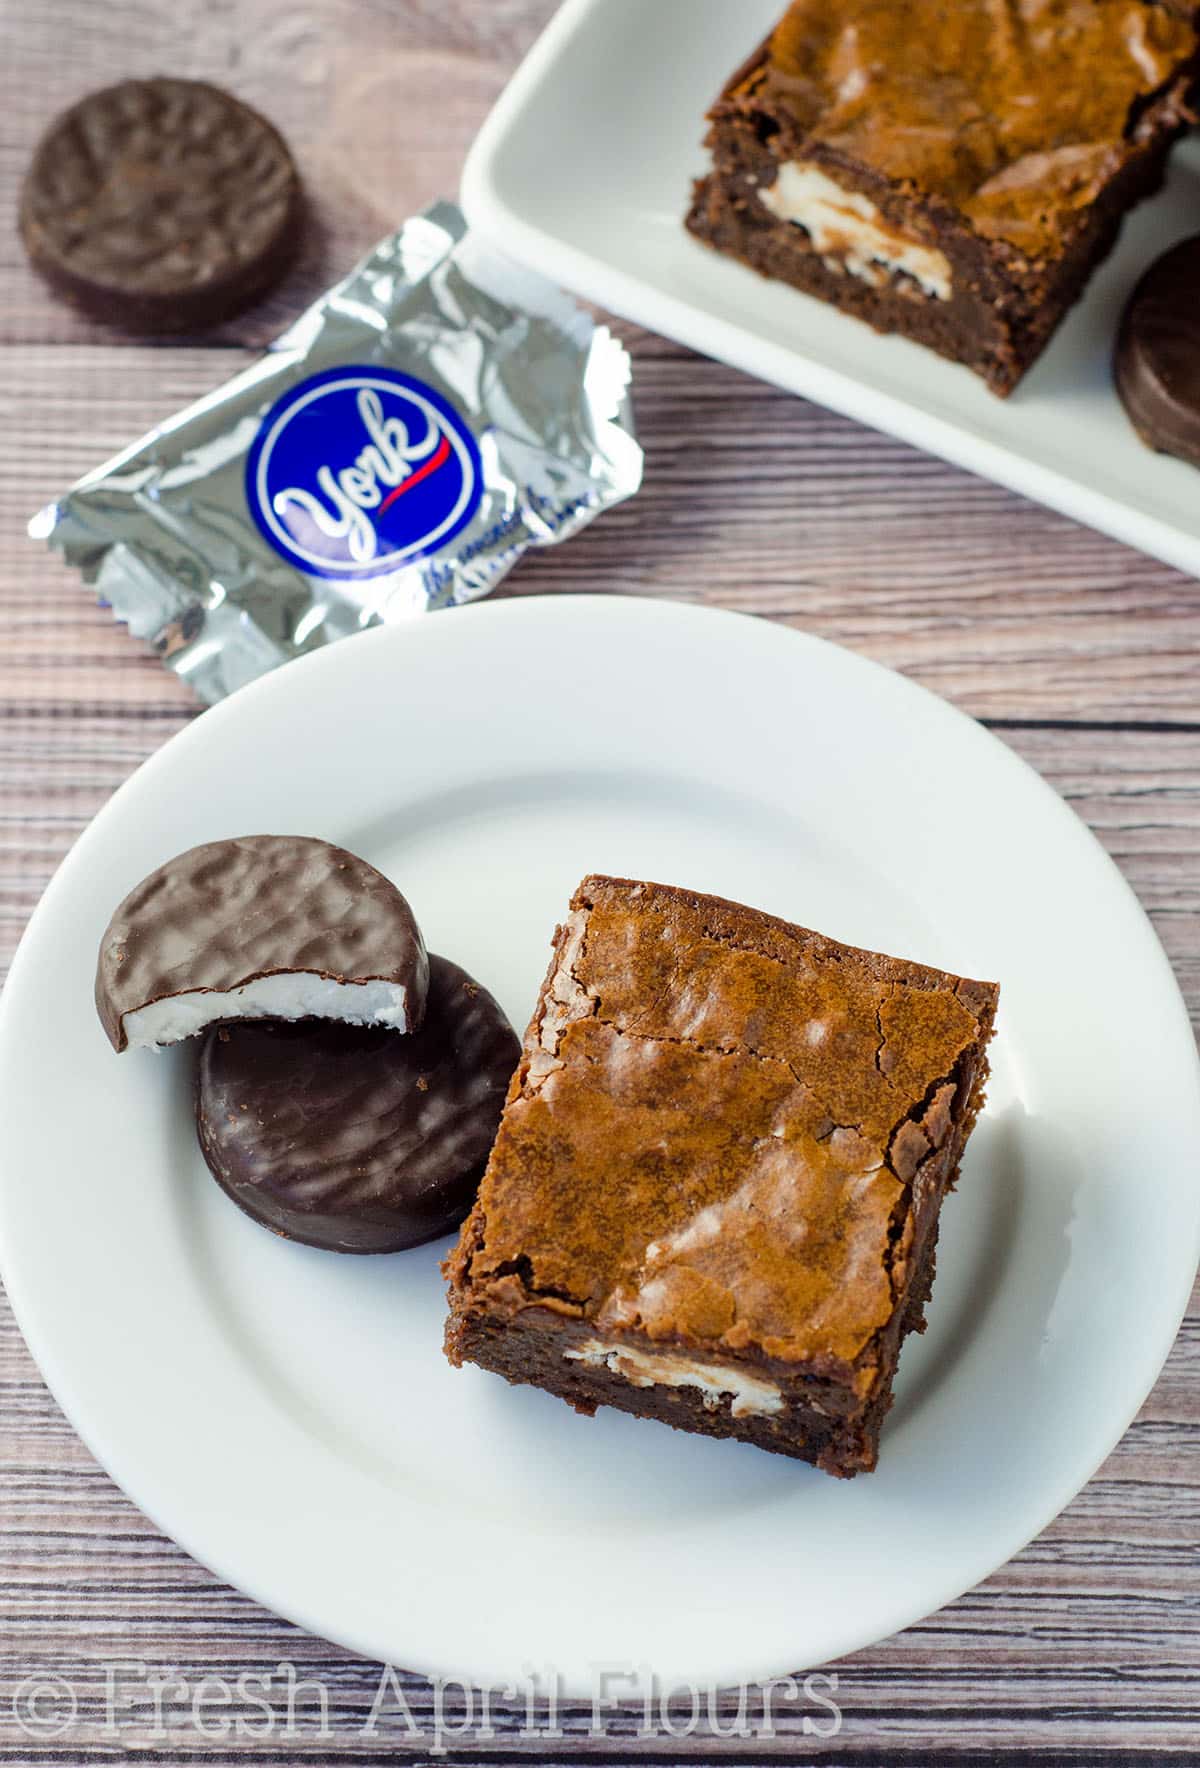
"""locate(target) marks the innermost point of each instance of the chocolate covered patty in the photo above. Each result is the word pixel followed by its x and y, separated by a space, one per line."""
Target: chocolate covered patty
pixel 1158 354
pixel 358 1141
pixel 260 927
pixel 161 205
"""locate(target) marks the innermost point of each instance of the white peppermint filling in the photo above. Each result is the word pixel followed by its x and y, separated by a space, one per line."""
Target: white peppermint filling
pixel 291 994
pixel 847 230
pixel 750 1395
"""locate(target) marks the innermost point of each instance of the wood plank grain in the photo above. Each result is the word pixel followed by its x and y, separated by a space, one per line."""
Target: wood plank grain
pixel 792 512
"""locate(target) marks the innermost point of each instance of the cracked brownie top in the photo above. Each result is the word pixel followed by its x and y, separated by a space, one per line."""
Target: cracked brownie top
pixel 1015 114
pixel 717 1127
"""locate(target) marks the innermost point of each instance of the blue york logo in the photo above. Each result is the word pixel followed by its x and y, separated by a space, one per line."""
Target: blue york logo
pixel 358 470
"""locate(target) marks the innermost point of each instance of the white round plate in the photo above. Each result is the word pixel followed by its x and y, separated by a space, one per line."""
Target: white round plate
pixel 287 1415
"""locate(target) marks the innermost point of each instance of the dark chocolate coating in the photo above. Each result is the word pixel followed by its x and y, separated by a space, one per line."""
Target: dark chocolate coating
pixel 228 912
pixel 161 205
pixel 1158 354
pixel 358 1140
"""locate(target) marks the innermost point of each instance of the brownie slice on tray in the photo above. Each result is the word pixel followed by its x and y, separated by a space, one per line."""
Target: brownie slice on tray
pixel 950 173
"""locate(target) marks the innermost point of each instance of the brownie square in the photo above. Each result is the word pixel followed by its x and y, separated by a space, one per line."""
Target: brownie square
pixel 714 1195
pixel 949 172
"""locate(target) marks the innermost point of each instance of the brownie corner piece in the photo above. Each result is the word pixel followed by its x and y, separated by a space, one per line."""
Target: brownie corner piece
pixel 952 176
pixel 714 1196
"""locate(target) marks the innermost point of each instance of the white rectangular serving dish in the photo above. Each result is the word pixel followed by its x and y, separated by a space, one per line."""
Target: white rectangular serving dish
pixel 584 168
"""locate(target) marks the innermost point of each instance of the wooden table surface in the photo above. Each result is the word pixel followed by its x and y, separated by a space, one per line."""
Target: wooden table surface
pixel 1081 655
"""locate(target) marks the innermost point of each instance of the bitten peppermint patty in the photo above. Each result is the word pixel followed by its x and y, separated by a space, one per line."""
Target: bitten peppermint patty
pixel 259 927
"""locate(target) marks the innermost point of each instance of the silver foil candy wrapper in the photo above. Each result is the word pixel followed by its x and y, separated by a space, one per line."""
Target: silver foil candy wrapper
pixel 396 451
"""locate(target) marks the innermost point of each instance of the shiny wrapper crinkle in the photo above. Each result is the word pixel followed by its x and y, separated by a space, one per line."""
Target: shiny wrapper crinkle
pixel 396 451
